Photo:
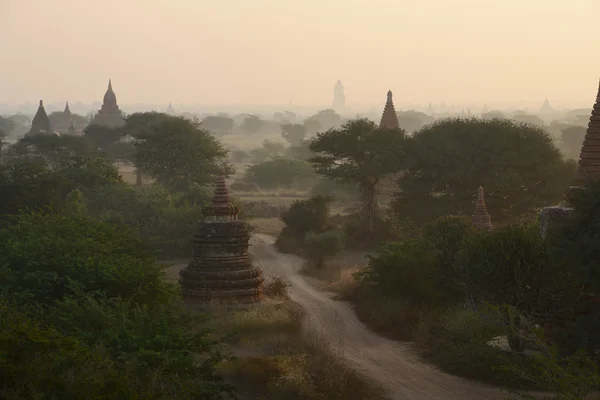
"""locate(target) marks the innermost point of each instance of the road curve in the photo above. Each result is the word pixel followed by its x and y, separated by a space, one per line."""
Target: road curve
pixel 391 364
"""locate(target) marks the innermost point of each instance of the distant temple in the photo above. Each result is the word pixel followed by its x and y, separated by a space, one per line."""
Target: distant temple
pixel 389 118
pixel 481 218
pixel 64 125
pixel 430 110
pixel 40 122
pixel 339 97
pixel 109 115
pixel 221 270
pixel 170 110
pixel 546 108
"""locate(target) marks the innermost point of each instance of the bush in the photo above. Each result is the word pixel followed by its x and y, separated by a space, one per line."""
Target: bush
pixel 281 172
pixel 305 216
pixel 445 235
pixel 321 246
pixel 406 269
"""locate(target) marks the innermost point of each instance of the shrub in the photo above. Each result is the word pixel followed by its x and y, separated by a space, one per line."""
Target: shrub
pixel 406 269
pixel 277 288
pixel 321 246
pixel 445 235
pixel 305 216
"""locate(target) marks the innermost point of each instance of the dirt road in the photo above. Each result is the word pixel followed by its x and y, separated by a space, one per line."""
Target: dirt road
pixel 392 364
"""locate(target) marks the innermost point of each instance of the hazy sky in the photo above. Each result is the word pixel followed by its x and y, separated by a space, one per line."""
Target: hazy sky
pixel 280 51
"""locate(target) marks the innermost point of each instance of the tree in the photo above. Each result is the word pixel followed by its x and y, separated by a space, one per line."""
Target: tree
pixel 269 151
pixel 7 125
pixel 572 140
pixel 359 152
pixel 517 164
pixel 218 124
pixel 103 136
pixel 411 120
pixel 514 267
pixel 280 172
pixel 312 126
pixel 252 124
pixel 177 152
pixel 294 134
pixel 322 246
pixel 311 215
pixel 3 136
pixel 327 119
pixel 54 149
pixel 528 119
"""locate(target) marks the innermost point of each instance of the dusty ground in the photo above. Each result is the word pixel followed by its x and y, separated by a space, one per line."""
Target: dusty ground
pixel 394 365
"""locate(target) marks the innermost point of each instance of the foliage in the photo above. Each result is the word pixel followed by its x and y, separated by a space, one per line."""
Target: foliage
pixel 445 236
pixel 528 119
pixel 411 121
pixel 53 149
pixel 513 266
pixel 269 151
pixel 301 151
pixel 176 151
pixel 294 134
pixel 405 268
pixel 517 164
pixel 323 120
pixel 280 172
pixel 103 136
pixel 310 215
pixel 322 246
pixel 7 125
pixel 219 124
pixel 330 188
pixel 46 257
pixel 361 153
pixel 252 124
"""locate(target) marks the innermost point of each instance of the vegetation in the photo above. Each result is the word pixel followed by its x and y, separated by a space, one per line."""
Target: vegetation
pixel 281 173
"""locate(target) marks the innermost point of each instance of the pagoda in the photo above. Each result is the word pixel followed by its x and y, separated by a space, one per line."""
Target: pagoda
pixel 481 218
pixel 221 270
pixel 109 114
pixel 339 97
pixel 40 122
pixel 389 119
pixel 65 120
pixel 546 108
pixel 588 168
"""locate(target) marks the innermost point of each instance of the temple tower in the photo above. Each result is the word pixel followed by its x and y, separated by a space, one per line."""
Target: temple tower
pixel 389 119
pixel 481 218
pixel 588 167
pixel 64 121
pixel 339 97
pixel 221 269
pixel 546 108
pixel 170 110
pixel 40 122
pixel 109 114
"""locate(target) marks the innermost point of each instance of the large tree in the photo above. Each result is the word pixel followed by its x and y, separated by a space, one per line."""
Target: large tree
pixel 177 152
pixel 517 164
pixel 294 134
pixel 361 153
pixel 54 149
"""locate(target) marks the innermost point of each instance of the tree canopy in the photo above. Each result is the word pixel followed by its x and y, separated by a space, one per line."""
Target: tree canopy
pixel 176 151
pixel 294 134
pixel 360 153
pixel 517 164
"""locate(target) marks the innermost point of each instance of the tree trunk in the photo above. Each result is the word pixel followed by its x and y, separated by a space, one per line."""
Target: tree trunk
pixel 515 339
pixel 138 177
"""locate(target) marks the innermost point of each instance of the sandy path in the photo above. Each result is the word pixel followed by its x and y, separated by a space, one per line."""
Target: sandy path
pixel 392 364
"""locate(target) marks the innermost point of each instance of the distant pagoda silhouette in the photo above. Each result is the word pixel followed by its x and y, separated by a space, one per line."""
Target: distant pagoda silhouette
pixel 221 270
pixel 41 122
pixel 389 119
pixel 481 218
pixel 109 114
pixel 339 97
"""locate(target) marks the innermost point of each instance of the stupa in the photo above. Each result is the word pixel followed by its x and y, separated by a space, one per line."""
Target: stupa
pixel 109 114
pixel 40 122
pixel 339 97
pixel 221 270
pixel 481 218
pixel 389 119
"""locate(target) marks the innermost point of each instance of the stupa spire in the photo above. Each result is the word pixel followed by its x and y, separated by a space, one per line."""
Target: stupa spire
pixel 67 109
pixel 40 122
pixel 481 218
pixel 389 119
pixel 588 167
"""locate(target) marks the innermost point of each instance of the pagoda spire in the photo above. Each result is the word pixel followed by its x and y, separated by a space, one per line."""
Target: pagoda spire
pixel 67 109
pixel 40 122
pixel 481 218
pixel 588 167
pixel 389 119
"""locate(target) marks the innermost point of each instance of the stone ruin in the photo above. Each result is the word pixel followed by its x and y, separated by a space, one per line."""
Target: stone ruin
pixel 221 270
pixel 481 218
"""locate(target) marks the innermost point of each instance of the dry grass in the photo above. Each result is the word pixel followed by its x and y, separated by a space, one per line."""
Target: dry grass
pixel 268 226
pixel 276 360
pixel 346 286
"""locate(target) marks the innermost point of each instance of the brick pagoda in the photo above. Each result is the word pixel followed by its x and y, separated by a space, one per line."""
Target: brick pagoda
pixel 481 218
pixel 221 270
pixel 389 118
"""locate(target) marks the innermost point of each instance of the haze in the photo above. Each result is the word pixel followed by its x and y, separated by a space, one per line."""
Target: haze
pixel 280 52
